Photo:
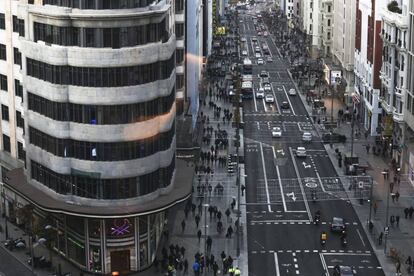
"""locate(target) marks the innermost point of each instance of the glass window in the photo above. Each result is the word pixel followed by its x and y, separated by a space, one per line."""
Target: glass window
pixel 6 143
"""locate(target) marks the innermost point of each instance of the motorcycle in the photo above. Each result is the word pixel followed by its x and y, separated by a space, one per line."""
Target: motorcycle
pixel 344 242
pixel 18 243
pixel 317 220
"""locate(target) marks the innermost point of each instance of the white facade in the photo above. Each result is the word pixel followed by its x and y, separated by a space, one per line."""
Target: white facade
pixel 327 23
pixel 311 20
pixel 194 53
pixel 365 90
pixel 408 145
pixel 343 44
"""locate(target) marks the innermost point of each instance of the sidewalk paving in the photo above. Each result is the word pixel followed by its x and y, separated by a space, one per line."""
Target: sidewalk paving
pixel 400 238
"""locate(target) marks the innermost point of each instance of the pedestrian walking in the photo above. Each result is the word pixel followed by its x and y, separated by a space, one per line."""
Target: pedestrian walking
pixel 406 211
pixel 185 266
pixel 397 196
pixel 215 268
pixel 380 238
pixel 196 268
pixel 392 220
pixel 397 220
pixel 391 186
pixel 409 263
pixel 229 232
pixel 375 207
pixel 183 225
pixel 199 235
pixel 367 147
pixel 410 212
pixel 227 214
pixel 243 188
pixel 197 220
pixel 398 267
pixel 209 243
pixel 393 197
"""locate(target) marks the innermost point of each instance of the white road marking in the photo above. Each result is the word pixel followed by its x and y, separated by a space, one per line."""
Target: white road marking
pixel 324 264
pixel 264 104
pixel 265 178
pixel 254 99
pixel 274 95
pixel 276 264
pixel 258 125
pixel 305 200
pixel 360 236
pixel 280 181
pixel 320 182
pixel 300 128
pixel 290 103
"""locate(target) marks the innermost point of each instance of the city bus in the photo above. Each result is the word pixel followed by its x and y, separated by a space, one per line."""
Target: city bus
pixel 247 90
pixel 247 66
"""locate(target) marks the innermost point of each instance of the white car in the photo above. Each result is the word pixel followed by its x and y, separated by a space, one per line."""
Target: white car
pixel 307 137
pixel 260 93
pixel 244 53
pixel 260 61
pixel 257 49
pixel 258 55
pixel 301 152
pixel 292 92
pixel 276 132
pixel 243 39
pixel 267 87
pixel 269 59
pixel 265 34
pixel 269 98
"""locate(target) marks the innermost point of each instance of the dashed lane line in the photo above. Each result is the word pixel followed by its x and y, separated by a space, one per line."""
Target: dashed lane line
pixel 323 252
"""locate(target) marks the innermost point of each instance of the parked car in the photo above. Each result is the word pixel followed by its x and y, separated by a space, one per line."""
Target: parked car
pixel 260 93
pixel 260 61
pixel 292 92
pixel 269 59
pixel 307 137
pixel 264 74
pixel 285 105
pixel 269 98
pixel 276 132
pixel 332 137
pixel 301 152
pixel 267 87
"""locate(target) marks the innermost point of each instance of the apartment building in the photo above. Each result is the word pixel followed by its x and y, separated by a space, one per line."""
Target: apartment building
pixel 88 101
pixel 343 44
pixel 180 54
pixel 327 11
pixel 311 23
pixel 368 59
pixel 408 138
pixel 394 34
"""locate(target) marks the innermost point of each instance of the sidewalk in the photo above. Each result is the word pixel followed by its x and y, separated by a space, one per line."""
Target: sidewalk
pixel 23 255
pixel 400 238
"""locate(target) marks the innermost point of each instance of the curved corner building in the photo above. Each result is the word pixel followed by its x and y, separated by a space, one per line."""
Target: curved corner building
pixel 98 80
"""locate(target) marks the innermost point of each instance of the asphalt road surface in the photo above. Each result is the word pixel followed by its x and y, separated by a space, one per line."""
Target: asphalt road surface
pixel 9 266
pixel 282 240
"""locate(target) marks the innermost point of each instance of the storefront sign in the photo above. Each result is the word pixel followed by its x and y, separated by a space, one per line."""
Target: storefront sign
pixel 120 227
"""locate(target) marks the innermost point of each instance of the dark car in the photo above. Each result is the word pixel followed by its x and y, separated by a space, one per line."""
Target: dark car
pixel 333 137
pixel 337 224
pixel 285 105
pixel 343 271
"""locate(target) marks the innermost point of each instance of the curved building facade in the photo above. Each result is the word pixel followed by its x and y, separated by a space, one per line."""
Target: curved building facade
pixel 99 99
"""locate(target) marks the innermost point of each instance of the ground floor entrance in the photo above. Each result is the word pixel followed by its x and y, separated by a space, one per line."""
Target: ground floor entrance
pixel 120 261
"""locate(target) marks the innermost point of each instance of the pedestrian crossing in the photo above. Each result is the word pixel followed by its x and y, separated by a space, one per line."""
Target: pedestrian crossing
pixel 294 222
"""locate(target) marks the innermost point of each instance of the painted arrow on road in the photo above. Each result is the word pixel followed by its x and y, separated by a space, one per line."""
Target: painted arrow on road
pixel 306 166
pixel 292 195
